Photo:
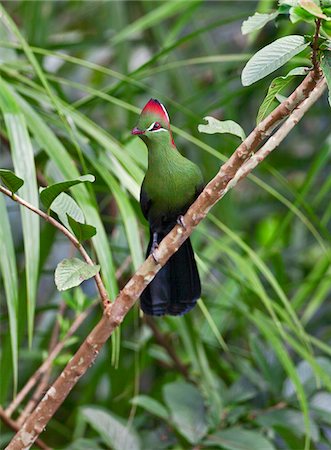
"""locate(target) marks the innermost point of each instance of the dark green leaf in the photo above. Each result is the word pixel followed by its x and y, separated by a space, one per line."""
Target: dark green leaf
pixel 277 85
pixel 49 194
pixel 114 433
pixel 237 438
pixel 63 205
pixel 72 272
pixel 151 405
pixel 82 231
pixel 187 410
pixel 272 57
pixel 12 181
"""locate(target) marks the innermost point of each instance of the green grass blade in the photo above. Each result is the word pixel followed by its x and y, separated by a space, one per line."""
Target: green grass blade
pixel 23 160
pixel 10 281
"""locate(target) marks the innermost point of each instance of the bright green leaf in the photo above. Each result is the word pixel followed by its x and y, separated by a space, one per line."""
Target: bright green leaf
pixel 326 68
pixel 72 272
pixel 187 410
pixel 49 194
pixel 12 181
pixel 288 2
pixel 82 231
pixel 225 126
pixel 313 8
pixel 257 22
pixel 10 281
pixel 151 405
pixel 237 438
pixel 272 57
pixel 113 432
pixel 277 85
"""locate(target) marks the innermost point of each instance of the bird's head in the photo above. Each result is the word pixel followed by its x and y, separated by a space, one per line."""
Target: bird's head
pixel 154 124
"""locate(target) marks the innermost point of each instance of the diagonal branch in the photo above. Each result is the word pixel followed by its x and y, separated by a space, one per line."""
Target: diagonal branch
pixel 229 175
pixel 66 232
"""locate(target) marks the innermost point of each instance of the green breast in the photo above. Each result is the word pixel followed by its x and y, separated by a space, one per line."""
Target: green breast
pixel 171 181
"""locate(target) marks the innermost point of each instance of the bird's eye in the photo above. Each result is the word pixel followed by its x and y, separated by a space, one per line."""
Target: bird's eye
pixel 156 126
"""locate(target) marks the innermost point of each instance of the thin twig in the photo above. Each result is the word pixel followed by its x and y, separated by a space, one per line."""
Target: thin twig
pixel 70 236
pixel 314 57
pixel 15 426
pixel 48 362
pixel 42 386
pixel 116 312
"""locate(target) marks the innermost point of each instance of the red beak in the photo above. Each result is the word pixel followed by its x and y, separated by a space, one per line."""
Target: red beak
pixel 137 131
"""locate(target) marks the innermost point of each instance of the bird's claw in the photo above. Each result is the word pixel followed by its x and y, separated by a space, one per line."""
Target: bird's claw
pixel 181 222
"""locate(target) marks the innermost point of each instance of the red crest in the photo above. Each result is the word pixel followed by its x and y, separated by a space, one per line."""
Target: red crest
pixel 155 107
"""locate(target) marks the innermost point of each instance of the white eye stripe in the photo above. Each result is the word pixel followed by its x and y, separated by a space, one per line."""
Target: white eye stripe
pixel 160 129
pixel 151 126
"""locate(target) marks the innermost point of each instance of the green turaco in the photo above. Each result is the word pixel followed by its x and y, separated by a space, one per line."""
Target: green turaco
pixel 170 186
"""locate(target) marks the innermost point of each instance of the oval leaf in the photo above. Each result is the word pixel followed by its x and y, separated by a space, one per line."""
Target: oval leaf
pixel 237 438
pixel 271 57
pixel 277 85
pixel 313 9
pixel 151 405
pixel 257 22
pixel 225 126
pixel 12 181
pixel 187 410
pixel 49 194
pixel 72 272
pixel 113 432
pixel 82 231
pixel 63 205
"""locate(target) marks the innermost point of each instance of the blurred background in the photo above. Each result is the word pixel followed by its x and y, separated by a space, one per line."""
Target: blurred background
pixel 250 366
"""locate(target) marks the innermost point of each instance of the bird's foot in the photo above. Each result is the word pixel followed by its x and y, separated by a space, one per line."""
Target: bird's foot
pixel 154 247
pixel 180 221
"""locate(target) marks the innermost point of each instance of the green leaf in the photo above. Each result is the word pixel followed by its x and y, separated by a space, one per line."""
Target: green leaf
pixel 82 231
pixel 12 181
pixel 8 272
pixel 24 166
pixel 272 57
pixel 320 403
pixel 113 432
pixel 287 419
pixel 313 8
pixel 225 126
pixel 187 410
pixel 151 405
pixel 72 272
pixel 49 194
pixel 326 68
pixel 298 14
pixel 63 205
pixel 257 22
pixel 277 85
pixel 237 438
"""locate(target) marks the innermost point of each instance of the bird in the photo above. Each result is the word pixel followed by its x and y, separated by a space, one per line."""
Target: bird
pixel 171 184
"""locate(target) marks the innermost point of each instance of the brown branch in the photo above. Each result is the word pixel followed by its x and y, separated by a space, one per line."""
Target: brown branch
pixel 115 313
pixel 47 363
pixel 314 58
pixel 15 426
pixel 70 236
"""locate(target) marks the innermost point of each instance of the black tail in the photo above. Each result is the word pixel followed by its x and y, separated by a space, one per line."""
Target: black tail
pixel 176 287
